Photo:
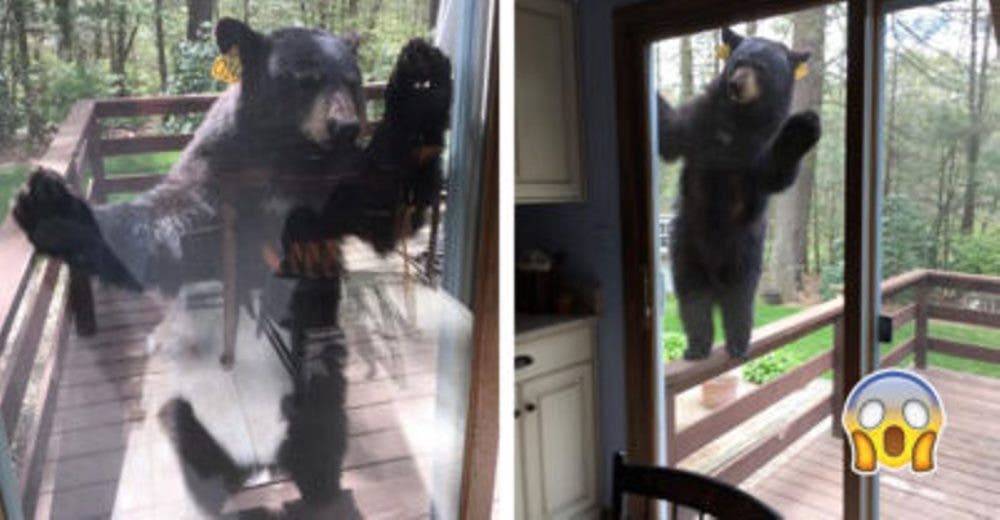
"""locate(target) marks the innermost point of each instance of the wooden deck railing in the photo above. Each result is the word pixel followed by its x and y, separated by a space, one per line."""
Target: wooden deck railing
pixel 38 296
pixel 683 375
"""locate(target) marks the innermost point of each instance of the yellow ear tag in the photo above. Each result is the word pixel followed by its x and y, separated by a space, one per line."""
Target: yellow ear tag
pixel 226 67
pixel 801 71
pixel 722 51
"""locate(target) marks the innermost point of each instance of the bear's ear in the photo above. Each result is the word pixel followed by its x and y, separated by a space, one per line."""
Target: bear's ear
pixel 730 38
pixel 230 32
pixel 798 57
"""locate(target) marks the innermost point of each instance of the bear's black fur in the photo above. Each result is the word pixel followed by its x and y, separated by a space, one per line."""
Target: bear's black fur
pixel 739 146
pixel 295 113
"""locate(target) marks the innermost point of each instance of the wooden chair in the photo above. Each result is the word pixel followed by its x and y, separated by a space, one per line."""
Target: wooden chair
pixel 684 488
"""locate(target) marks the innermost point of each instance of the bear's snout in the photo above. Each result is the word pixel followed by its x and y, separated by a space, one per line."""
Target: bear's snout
pixel 342 120
pixel 742 85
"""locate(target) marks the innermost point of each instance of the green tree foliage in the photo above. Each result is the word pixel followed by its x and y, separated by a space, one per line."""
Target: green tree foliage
pixel 75 48
pixel 10 117
pixel 66 83
pixel 906 239
pixel 978 253
pixel 926 129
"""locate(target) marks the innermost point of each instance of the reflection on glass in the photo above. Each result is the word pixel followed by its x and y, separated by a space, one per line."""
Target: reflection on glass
pixel 297 242
pixel 749 233
pixel 941 101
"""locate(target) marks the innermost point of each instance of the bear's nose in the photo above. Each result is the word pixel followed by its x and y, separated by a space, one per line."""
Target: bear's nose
pixel 343 131
pixel 342 118
pixel 742 85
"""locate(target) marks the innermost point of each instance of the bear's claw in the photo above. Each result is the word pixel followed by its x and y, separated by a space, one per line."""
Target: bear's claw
pixel 802 131
pixel 51 216
pixel 418 94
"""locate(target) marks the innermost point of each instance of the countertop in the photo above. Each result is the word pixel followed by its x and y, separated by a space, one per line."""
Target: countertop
pixel 529 326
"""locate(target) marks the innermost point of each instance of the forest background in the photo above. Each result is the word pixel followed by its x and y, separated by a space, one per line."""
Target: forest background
pixel 941 145
pixel 56 52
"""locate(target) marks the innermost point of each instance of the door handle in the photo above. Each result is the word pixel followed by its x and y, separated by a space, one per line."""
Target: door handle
pixel 530 407
pixel 885 329
pixel 522 361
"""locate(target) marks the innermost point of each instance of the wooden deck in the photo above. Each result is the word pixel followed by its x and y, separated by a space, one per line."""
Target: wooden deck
pixel 805 481
pixel 108 456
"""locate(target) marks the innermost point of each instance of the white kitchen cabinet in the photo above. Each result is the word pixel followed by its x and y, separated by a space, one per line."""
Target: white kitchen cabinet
pixel 547 111
pixel 556 470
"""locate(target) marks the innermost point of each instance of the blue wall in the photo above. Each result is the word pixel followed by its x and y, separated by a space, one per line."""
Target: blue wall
pixel 589 233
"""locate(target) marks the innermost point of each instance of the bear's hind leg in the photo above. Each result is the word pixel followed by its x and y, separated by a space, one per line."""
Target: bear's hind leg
pixel 737 316
pixel 696 315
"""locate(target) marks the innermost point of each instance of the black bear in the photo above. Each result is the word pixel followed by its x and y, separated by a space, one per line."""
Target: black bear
pixel 296 112
pixel 739 146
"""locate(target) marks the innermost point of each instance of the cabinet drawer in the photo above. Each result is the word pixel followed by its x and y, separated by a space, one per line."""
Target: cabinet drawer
pixel 554 351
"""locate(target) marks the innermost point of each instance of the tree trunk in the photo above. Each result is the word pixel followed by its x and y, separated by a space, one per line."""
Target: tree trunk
pixel 246 12
pixel 790 210
pixel 687 72
pixel 161 54
pixel 64 20
pixel 198 13
pixel 432 12
pixel 715 45
pixel 121 39
pixel 892 152
pixel 98 42
pixel 19 15
pixel 4 25
pixel 375 13
pixel 976 91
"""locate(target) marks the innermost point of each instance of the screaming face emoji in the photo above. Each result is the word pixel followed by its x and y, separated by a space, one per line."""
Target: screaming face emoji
pixel 893 417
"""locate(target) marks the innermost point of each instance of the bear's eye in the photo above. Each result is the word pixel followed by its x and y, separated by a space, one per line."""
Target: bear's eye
pixel 422 85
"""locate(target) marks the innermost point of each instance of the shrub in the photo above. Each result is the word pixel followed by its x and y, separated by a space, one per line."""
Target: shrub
pixel 66 83
pixel 767 367
pixel 674 344
pixel 906 238
pixel 978 253
pixel 832 273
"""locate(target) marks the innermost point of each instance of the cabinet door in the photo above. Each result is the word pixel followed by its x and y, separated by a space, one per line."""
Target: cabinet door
pixel 559 452
pixel 547 150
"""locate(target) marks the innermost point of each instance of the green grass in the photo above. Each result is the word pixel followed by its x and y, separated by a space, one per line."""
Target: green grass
pixel 814 344
pixel 159 162
pixel 798 351
pixel 12 176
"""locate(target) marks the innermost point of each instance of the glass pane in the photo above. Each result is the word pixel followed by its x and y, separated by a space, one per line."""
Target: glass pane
pixel 748 244
pixel 941 174
pixel 281 323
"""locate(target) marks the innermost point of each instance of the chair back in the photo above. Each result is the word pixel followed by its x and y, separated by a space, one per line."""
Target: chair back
pixel 685 488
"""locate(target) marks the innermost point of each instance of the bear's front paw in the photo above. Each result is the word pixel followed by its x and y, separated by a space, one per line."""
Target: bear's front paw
pixel 54 219
pixel 801 132
pixel 418 94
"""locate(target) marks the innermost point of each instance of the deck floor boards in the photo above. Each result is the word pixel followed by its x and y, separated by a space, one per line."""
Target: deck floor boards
pixel 808 484
pixel 109 457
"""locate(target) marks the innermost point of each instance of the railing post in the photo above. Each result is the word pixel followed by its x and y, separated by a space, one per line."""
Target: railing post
pixel 920 328
pixel 837 401
pixel 98 192
pixel 81 301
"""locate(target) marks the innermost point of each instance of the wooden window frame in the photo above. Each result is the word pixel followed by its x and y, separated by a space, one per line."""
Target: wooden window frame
pixel 482 432
pixel 635 28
